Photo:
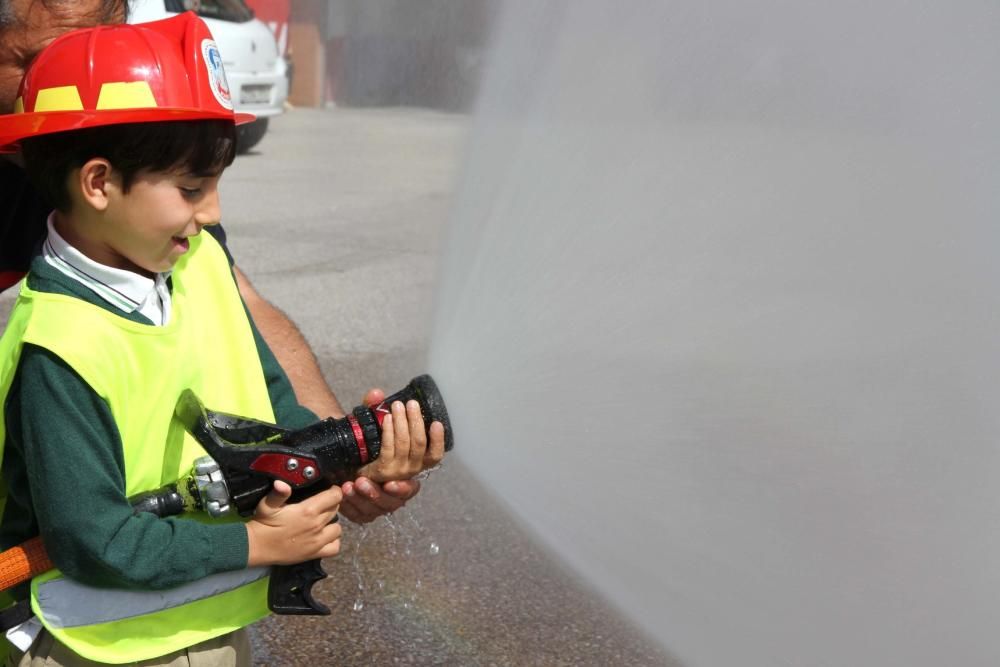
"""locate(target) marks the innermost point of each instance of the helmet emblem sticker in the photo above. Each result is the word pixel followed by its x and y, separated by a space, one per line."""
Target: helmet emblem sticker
pixel 216 74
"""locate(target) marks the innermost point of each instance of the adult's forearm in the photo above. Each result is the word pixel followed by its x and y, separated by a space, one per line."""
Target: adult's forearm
pixel 292 351
pixel 363 500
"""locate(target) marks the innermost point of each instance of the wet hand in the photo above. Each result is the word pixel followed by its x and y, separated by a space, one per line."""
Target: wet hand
pixel 405 449
pixel 365 500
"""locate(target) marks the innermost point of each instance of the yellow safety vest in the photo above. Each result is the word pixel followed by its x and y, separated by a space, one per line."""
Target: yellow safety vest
pixel 207 346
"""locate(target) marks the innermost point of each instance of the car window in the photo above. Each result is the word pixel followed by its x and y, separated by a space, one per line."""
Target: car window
pixel 224 10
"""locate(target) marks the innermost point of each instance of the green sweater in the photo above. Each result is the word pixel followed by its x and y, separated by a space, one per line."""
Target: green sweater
pixel 64 468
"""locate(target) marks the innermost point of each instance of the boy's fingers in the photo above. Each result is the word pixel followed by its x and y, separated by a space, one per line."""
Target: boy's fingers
pixel 329 540
pixel 325 503
pixel 330 549
pixel 401 430
pixel 332 532
pixel 329 533
pixel 435 452
pixel 418 437
pixel 388 448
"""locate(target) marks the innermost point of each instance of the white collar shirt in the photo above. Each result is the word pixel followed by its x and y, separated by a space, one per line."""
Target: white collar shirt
pixel 125 290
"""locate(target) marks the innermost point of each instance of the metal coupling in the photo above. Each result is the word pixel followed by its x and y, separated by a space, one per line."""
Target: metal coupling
pixel 211 485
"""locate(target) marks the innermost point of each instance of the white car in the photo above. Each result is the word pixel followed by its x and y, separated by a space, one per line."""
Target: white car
pixel 256 71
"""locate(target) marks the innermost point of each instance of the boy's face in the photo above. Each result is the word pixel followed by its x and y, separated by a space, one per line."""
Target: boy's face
pixel 146 230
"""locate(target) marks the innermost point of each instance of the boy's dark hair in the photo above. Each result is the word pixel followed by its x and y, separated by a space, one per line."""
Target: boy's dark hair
pixel 201 147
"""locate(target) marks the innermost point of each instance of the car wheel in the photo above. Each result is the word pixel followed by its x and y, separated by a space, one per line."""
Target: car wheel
pixel 249 135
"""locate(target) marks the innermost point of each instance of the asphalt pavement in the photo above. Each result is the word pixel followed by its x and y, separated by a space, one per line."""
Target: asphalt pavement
pixel 337 217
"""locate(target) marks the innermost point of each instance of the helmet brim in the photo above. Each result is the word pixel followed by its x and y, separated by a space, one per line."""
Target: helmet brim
pixel 15 127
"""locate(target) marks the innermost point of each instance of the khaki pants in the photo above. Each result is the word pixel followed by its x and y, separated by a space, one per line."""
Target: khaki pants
pixel 232 650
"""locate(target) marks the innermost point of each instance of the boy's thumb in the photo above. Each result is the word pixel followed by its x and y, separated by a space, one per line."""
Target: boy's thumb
pixel 276 498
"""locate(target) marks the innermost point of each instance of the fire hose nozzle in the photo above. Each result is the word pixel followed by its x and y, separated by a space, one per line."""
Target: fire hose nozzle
pixel 245 456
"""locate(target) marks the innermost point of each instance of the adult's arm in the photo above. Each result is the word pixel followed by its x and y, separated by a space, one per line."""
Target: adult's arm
pixel 292 351
pixel 364 500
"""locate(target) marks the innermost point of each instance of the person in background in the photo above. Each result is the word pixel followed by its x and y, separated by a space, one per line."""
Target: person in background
pixel 27 26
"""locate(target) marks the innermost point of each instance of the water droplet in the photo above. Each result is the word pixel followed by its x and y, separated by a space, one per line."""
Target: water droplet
pixel 359 604
pixel 407 605
pixel 381 584
pixel 424 474
pixel 419 583
pixel 435 549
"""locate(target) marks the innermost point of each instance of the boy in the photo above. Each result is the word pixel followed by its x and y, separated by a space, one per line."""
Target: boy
pixel 126 130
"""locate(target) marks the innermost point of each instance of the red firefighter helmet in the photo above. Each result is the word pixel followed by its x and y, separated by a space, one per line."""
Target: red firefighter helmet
pixel 109 75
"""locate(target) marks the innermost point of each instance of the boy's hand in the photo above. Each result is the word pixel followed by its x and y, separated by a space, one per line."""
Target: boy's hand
pixel 283 534
pixel 366 500
pixel 405 450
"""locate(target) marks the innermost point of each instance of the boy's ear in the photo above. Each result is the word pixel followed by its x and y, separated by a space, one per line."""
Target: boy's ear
pixel 96 181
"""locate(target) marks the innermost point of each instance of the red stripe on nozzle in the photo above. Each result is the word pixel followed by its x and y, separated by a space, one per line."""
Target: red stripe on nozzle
pixel 359 437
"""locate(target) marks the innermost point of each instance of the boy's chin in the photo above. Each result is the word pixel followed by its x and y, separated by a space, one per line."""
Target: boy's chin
pixel 152 268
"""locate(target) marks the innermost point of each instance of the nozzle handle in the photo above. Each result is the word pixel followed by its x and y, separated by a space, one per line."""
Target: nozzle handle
pixel 290 589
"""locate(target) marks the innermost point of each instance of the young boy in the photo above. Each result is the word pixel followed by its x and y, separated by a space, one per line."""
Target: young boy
pixel 126 130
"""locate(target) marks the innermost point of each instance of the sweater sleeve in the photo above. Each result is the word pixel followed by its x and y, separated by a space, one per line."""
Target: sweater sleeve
pixel 75 472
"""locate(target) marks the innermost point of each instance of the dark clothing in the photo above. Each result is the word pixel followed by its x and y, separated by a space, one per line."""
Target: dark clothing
pixel 22 223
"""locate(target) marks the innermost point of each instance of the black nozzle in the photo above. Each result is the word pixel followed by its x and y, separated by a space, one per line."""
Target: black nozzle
pixel 368 420
pixel 251 453
pixel 425 391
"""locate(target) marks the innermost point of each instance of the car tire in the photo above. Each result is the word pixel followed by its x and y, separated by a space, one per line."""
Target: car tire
pixel 249 135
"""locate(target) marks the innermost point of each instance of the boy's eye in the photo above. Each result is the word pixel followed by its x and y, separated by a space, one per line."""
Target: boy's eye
pixel 190 193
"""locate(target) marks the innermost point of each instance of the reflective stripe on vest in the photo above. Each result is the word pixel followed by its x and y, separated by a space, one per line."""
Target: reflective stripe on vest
pixel 70 604
pixel 208 346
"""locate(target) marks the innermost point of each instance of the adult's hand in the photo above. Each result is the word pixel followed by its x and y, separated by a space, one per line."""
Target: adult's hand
pixel 365 500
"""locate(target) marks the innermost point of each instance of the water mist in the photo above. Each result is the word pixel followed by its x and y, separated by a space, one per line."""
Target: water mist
pixel 718 318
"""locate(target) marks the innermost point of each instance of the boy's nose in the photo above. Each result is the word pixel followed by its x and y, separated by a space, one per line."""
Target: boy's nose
pixel 209 212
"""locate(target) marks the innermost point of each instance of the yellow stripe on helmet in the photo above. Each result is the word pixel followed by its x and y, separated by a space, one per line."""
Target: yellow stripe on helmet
pixel 126 95
pixel 61 98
